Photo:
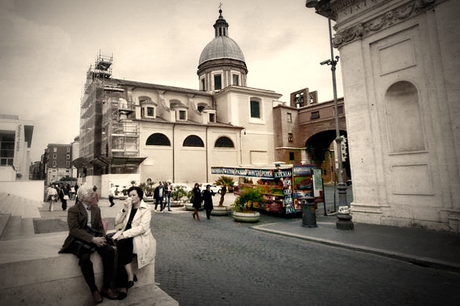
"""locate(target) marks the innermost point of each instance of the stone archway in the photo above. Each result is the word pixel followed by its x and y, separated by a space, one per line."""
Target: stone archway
pixel 320 152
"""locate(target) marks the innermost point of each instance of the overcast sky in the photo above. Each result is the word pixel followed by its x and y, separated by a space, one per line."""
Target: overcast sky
pixel 47 46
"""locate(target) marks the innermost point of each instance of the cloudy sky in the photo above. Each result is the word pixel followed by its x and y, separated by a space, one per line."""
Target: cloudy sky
pixel 47 46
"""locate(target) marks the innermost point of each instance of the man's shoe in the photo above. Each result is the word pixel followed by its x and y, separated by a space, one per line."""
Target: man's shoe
pixel 97 298
pixel 123 294
pixel 109 293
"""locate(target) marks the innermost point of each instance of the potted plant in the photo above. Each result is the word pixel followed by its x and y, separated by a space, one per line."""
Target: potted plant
pixel 226 183
pixel 148 191
pixel 177 195
pixel 243 206
pixel 124 192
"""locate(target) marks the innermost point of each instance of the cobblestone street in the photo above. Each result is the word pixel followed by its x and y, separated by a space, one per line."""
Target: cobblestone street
pixel 222 262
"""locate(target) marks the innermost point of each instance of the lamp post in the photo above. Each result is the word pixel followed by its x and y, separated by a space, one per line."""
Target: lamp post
pixel 344 218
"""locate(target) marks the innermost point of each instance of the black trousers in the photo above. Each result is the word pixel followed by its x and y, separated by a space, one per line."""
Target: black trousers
pixel 111 200
pixel 159 201
pixel 107 254
pixel 208 212
pixel 125 256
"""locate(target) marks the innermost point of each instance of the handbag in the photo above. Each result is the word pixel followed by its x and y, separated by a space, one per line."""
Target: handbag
pixel 80 247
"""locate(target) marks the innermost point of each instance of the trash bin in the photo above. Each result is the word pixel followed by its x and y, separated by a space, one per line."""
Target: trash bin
pixel 308 212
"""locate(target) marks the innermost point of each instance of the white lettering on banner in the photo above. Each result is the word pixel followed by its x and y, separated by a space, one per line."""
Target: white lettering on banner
pixel 18 148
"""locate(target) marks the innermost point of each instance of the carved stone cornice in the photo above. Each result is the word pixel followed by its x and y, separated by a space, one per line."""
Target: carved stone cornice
pixel 385 20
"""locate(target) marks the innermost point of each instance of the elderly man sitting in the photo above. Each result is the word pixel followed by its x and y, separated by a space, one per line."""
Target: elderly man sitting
pixel 86 235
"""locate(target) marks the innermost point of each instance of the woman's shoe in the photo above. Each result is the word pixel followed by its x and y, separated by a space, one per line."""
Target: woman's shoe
pixel 131 283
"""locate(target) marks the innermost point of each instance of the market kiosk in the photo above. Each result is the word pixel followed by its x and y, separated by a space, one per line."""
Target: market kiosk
pixel 282 186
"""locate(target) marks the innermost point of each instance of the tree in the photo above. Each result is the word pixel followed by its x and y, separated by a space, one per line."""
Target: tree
pixel 226 182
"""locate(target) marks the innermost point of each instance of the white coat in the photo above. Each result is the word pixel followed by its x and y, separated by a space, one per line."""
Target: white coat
pixel 143 242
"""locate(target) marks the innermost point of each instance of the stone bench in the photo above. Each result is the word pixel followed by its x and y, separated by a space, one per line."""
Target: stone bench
pixel 33 273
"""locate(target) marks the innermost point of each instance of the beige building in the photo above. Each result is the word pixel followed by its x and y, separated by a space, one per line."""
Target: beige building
pixel 133 131
pixel 15 143
pixel 400 66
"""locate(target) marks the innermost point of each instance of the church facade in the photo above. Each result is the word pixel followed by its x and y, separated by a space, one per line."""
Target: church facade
pixel 134 131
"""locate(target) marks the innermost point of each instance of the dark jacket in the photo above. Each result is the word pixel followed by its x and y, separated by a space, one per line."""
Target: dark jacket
pixel 76 220
pixel 197 199
pixel 156 193
pixel 207 198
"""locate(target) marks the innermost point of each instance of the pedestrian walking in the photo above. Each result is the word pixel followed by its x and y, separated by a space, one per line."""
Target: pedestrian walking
pixel 72 193
pixel 76 193
pixel 168 190
pixel 51 194
pixel 64 195
pixel 96 196
pixel 111 195
pixel 159 195
pixel 196 201
pixel 207 198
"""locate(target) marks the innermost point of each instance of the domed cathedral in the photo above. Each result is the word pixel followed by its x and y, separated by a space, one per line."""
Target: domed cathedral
pixel 134 131
pixel 222 62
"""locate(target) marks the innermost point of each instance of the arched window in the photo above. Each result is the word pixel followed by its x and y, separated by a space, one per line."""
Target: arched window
pixel 158 139
pixel 404 120
pixel 193 141
pixel 224 142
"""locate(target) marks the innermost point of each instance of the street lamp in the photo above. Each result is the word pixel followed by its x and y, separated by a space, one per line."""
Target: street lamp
pixel 344 218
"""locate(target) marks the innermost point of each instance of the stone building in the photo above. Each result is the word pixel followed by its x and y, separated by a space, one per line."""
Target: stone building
pixel 57 162
pixel 399 61
pixel 133 131
pixel 15 142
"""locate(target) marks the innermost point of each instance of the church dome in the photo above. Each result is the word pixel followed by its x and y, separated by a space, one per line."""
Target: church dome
pixel 221 47
pixel 221 62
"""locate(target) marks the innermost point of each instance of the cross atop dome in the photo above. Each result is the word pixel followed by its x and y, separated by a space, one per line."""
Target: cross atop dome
pixel 221 26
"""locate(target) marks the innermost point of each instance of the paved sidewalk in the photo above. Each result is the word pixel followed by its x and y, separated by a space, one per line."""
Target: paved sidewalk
pixel 440 250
